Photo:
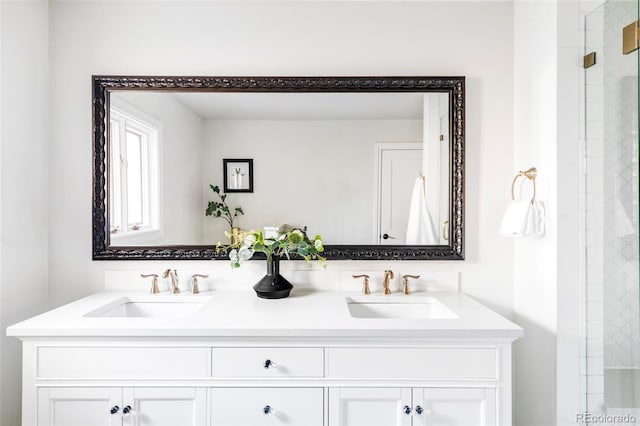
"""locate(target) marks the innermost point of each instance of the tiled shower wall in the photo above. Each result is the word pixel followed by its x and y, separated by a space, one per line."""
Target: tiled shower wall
pixel 592 365
pixel 611 203
pixel 621 332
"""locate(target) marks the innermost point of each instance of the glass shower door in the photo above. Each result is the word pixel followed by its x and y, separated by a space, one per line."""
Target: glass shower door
pixel 612 356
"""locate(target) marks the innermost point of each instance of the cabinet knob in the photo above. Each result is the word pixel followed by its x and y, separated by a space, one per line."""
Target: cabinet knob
pixel 126 410
pixel 419 410
pixel 114 409
pixel 267 409
pixel 268 363
pixel 407 410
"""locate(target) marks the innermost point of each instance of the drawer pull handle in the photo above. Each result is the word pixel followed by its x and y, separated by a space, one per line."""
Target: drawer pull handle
pixel 419 410
pixel 114 409
pixel 407 410
pixel 267 409
pixel 126 410
pixel 268 363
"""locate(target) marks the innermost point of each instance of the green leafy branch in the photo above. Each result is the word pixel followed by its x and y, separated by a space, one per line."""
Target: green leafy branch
pixel 221 209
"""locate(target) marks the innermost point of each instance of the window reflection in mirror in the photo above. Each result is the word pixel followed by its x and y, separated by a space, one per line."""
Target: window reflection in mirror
pixel 134 176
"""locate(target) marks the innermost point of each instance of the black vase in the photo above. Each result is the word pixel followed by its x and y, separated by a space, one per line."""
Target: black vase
pixel 273 285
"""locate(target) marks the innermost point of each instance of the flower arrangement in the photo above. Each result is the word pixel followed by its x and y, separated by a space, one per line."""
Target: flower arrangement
pixel 288 242
pixel 221 209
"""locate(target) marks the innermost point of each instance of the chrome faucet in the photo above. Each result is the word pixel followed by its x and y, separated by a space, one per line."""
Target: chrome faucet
pixel 388 274
pixel 174 288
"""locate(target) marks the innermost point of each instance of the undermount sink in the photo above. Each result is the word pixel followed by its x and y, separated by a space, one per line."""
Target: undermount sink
pixel 406 307
pixel 151 307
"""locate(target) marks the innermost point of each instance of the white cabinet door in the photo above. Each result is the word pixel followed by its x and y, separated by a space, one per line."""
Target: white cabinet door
pixel 164 406
pixel 369 406
pixel 267 406
pixel 454 407
pixel 79 406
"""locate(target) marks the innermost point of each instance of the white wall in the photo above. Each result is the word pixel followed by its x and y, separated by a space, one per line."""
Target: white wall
pixel 535 282
pixel 289 38
pixel 24 205
pixel 546 124
pixel 334 166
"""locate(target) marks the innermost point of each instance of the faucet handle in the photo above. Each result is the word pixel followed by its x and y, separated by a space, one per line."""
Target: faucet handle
pixel 194 282
pixel 174 287
pixel 405 282
pixel 154 282
pixel 388 275
pixel 365 283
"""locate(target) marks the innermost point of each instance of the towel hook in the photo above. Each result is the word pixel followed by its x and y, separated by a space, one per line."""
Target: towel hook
pixel 530 174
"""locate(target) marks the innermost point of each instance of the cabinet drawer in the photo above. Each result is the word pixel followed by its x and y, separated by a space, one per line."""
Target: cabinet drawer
pixel 267 362
pixel 97 362
pixel 409 363
pixel 267 406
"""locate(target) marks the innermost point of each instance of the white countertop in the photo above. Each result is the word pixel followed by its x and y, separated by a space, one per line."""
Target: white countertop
pixel 241 314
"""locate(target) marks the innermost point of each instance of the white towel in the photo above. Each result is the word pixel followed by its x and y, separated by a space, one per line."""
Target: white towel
pixel 537 220
pixel 523 218
pixel 516 218
pixel 419 227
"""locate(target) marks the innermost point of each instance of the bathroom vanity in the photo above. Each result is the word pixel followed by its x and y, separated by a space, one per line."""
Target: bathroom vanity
pixel 316 358
pixel 226 358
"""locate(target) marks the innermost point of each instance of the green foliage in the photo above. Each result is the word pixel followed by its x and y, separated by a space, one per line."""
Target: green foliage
pixel 221 209
pixel 289 242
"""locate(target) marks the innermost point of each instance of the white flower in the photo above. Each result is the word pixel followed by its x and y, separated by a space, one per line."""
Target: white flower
pixel 249 240
pixel 244 253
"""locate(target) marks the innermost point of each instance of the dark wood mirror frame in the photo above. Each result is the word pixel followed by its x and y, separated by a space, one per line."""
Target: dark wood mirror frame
pixel 454 86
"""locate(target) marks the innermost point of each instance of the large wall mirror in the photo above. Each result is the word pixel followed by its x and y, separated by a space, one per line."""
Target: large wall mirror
pixel 373 164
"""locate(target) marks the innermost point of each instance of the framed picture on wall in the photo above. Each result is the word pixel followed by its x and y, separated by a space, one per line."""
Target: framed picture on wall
pixel 238 175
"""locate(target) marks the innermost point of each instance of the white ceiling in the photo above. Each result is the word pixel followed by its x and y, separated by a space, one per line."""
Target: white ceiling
pixel 304 106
